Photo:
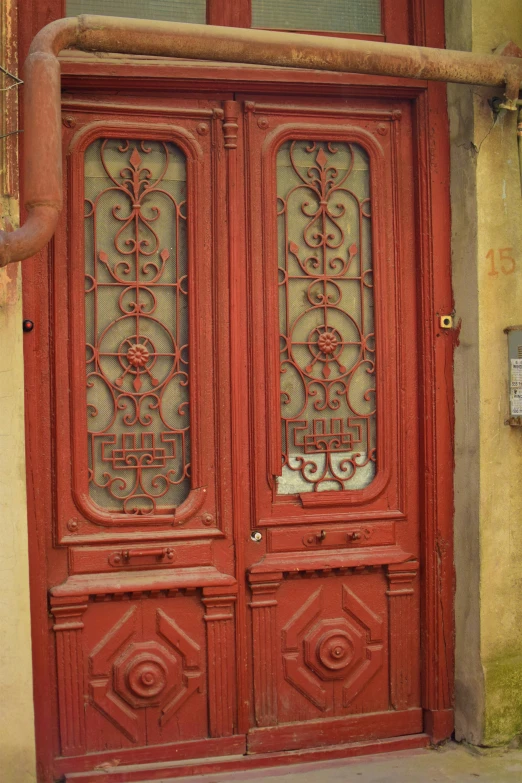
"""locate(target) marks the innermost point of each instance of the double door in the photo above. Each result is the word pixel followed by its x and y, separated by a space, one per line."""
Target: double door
pixel 234 553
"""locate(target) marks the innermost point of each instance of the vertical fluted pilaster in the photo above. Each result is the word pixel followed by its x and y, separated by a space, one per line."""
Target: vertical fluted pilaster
pixel 70 669
pixel 264 642
pixel 219 617
pixel 403 632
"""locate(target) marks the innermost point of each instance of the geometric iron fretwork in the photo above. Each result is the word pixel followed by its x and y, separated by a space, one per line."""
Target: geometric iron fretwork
pixel 327 336
pixel 137 326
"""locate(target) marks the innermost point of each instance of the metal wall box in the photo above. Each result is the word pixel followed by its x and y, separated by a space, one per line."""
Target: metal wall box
pixel 514 334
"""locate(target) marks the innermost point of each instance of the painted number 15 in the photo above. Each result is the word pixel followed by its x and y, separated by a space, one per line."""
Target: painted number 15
pixel 505 261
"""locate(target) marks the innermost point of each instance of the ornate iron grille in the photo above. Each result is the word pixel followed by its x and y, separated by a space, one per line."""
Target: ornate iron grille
pixel 136 326
pixel 327 340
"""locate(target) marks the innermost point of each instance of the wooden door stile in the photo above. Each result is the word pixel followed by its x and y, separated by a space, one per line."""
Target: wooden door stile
pixel 239 385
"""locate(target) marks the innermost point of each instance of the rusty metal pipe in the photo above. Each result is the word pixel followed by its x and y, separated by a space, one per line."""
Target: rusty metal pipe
pixel 42 137
pixel 519 140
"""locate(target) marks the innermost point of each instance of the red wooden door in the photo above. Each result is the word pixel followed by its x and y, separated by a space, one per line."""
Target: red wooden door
pixel 234 554
pixel 332 560
pixel 144 599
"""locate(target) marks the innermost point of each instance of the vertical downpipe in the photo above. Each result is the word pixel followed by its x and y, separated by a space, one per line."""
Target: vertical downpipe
pixel 519 138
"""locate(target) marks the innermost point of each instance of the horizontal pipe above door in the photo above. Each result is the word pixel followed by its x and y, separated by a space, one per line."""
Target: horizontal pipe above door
pixel 42 161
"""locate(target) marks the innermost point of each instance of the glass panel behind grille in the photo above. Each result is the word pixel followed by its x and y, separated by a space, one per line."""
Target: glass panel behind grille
pixel 136 325
pixel 340 16
pixel 193 11
pixel 327 341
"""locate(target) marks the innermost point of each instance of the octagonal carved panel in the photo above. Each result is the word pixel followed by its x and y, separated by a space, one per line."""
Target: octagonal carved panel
pixel 348 648
pixel 128 674
pixel 144 673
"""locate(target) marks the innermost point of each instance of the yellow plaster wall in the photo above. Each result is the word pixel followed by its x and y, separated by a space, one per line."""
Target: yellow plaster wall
pixel 17 744
pixel 499 215
pixel 486 224
pixel 17 752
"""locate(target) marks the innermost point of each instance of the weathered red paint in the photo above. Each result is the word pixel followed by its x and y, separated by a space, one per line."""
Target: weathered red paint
pixel 107 773
pixel 226 594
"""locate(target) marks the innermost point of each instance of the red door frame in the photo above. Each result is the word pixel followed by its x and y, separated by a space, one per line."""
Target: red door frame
pixel 435 358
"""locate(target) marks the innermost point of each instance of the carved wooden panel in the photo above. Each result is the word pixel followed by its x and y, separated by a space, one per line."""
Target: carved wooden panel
pixel 161 673
pixel 327 639
pixel 347 648
pixel 144 667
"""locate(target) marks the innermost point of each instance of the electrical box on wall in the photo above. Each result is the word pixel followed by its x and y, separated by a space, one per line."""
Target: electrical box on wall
pixel 514 334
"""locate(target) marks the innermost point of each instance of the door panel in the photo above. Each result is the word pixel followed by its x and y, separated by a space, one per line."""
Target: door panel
pixel 385 136
pixel 235 552
pixel 142 585
pixel 137 456
pixel 334 555
pixel 155 690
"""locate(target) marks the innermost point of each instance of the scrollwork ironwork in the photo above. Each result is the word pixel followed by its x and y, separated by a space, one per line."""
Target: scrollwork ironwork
pixel 137 326
pixel 327 339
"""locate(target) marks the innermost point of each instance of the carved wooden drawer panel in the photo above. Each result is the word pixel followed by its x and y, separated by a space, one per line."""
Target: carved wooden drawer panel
pixel 167 554
pixel 318 537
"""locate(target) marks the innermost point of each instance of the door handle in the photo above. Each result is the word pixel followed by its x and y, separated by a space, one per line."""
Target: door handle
pixel 126 555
